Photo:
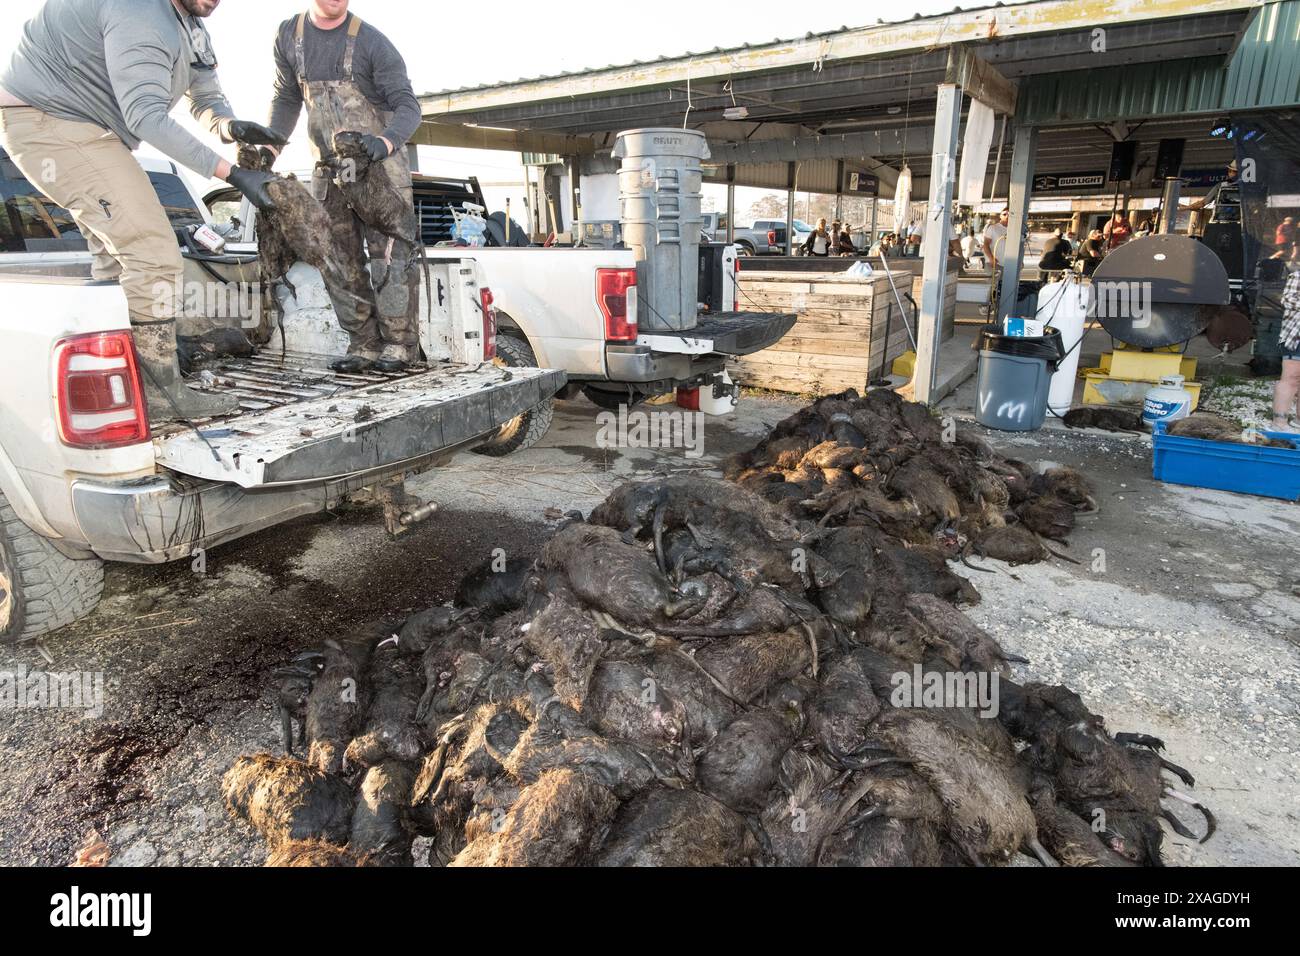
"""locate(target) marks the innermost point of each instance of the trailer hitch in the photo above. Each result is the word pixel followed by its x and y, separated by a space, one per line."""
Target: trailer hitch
pixel 402 510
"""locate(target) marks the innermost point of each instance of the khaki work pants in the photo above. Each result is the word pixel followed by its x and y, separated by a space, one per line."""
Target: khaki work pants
pixel 89 171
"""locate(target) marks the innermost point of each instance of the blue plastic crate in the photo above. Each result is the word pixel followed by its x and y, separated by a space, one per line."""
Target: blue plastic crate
pixel 1227 466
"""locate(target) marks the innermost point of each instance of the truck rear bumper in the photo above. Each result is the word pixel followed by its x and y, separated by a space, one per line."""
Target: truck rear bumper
pixel 170 517
pixel 665 356
pixel 640 363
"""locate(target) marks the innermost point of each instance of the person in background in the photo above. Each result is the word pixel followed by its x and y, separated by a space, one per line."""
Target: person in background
pixel 819 241
pixel 968 245
pixel 1226 192
pixel 1056 253
pixel 844 242
pixel 90 81
pixel 995 235
pixel 1091 251
pixel 954 243
pixel 1284 238
pixel 1118 231
pixel 1288 386
pixel 352 79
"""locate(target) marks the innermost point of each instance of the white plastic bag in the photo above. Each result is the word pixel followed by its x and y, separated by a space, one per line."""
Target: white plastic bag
pixel 861 269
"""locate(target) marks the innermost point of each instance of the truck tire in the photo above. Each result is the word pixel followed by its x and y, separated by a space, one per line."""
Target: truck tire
pixel 526 430
pixel 743 248
pixel 41 589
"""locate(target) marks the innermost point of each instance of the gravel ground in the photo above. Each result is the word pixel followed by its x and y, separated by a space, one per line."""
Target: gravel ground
pixel 1191 631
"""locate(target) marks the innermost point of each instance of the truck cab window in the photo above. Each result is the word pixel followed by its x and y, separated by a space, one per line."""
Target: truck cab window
pixel 31 223
pixel 176 200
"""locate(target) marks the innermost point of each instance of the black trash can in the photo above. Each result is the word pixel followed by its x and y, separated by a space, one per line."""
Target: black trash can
pixel 1014 375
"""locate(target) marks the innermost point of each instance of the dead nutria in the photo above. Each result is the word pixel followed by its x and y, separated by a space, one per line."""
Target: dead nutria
pixel 1048 516
pixel 555 822
pixel 495 588
pixel 312 853
pixel 615 577
pixel 1068 485
pixel 389 728
pixel 379 829
pixel 625 701
pixel 662 827
pixel 371 195
pixel 284 799
pixel 1211 427
pixel 1107 419
pixel 338 699
pixel 983 795
pixel 1014 544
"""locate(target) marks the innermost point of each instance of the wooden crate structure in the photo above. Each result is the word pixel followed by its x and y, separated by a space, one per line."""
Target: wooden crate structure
pixel 837 340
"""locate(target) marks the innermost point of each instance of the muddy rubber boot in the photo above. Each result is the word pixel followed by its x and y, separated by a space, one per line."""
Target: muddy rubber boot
pixel 393 358
pixel 170 400
pixel 351 364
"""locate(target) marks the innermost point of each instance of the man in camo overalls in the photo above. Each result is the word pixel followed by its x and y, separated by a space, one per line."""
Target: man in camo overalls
pixel 351 78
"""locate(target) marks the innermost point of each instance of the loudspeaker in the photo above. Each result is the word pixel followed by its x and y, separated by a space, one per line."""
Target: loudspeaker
pixel 1122 156
pixel 1169 158
pixel 1225 239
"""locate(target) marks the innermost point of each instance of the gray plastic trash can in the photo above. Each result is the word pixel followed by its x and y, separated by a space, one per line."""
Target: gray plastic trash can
pixel 1014 375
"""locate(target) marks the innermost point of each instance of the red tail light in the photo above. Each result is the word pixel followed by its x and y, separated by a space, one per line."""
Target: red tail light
pixel 489 324
pixel 98 392
pixel 735 265
pixel 616 296
pixel 771 237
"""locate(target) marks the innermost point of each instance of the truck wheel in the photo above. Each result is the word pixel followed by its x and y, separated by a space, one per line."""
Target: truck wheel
pixel 526 430
pixel 41 589
pixel 744 249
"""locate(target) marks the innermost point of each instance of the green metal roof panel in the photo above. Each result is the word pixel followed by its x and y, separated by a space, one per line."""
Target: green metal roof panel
pixel 1264 73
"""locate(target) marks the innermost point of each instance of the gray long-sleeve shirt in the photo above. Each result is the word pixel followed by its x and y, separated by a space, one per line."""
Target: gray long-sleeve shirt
pixel 122 65
pixel 377 68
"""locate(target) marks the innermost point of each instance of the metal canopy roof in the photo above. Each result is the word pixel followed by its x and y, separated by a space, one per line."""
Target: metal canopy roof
pixel 865 96
pixel 853 75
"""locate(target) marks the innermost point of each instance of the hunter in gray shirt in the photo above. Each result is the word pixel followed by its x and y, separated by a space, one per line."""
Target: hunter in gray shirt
pixel 378 69
pixel 122 65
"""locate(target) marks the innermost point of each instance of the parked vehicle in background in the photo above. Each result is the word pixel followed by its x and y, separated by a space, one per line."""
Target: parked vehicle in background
pixel 763 237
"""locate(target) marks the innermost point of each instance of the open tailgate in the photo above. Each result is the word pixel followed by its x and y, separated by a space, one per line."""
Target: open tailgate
pixel 731 333
pixel 304 423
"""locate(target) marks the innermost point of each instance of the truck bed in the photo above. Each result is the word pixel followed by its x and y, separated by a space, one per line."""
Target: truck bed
pixel 303 422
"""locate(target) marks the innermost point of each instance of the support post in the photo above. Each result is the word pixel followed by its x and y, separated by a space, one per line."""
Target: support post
pixel 792 181
pixel 839 191
pixel 1022 178
pixel 1169 205
pixel 934 247
pixel 731 204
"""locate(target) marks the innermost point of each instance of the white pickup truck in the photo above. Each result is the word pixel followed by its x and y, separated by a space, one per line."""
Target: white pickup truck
pixel 84 480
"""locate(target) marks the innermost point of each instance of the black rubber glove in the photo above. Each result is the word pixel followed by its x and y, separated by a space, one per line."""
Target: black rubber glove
pixel 375 146
pixel 252 134
pixel 252 183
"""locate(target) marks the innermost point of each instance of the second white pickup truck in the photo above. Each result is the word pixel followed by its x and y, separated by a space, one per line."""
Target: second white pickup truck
pixel 575 309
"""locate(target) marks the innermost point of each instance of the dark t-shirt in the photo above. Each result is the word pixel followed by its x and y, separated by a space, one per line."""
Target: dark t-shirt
pixel 1056 252
pixel 377 67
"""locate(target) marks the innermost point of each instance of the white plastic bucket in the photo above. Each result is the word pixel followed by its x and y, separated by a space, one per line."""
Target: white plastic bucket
pixel 1064 306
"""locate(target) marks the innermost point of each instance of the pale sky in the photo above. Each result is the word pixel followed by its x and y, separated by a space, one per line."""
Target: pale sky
pixel 448 45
